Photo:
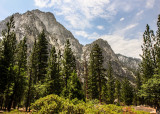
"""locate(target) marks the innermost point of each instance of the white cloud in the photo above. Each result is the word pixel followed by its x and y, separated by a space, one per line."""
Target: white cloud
pixel 121 19
pixel 128 47
pixel 84 34
pixel 45 3
pixel 100 27
pixel 79 13
pixel 124 31
pixel 130 26
pixel 150 3
pixel 81 33
pixel 139 13
pixel 41 3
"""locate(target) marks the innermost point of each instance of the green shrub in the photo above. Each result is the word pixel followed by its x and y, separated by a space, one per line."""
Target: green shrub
pixel 54 104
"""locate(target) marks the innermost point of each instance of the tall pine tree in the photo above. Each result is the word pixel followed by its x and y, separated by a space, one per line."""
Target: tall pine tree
pixel 53 73
pixel 21 72
pixel 110 84
pixel 117 91
pixel 96 76
pixel 148 57
pixel 69 66
pixel 127 92
pixel 42 51
pixel 32 75
pixel 7 62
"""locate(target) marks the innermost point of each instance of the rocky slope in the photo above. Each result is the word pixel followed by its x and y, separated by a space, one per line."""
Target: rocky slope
pixel 31 23
pixel 129 62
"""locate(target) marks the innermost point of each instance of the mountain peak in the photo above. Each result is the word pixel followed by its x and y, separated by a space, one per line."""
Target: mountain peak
pixel 31 23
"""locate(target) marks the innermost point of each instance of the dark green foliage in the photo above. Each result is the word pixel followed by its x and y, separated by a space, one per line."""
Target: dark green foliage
pixel 96 77
pixel 137 99
pixel 150 91
pixel 75 87
pixel 158 45
pixel 117 91
pixel 32 75
pixel 110 84
pixel 7 61
pixel 53 73
pixel 42 51
pixel 127 92
pixel 69 66
pixel 148 58
pixel 20 69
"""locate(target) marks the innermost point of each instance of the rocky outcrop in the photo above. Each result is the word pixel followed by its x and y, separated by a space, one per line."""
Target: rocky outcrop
pixel 129 62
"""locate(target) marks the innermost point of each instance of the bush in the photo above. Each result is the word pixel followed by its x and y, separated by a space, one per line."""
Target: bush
pixel 54 104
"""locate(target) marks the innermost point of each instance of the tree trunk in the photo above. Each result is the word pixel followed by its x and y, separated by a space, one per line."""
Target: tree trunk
pixel 158 110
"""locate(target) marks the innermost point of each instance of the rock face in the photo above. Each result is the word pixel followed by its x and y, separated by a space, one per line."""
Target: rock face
pixel 129 62
pixel 31 23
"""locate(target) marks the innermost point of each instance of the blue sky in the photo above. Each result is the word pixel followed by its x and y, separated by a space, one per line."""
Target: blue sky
pixel 120 22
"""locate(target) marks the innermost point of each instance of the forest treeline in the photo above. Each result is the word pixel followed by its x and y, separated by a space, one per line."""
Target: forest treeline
pixel 25 79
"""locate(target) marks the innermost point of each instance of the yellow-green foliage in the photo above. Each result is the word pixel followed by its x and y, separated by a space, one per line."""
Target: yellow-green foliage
pixel 54 104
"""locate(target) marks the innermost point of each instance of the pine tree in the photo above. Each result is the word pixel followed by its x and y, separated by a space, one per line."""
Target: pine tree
pixel 32 75
pixel 8 62
pixel 149 90
pixel 21 72
pixel 42 51
pixel 117 91
pixel 127 92
pixel 85 77
pixel 53 73
pixel 69 66
pixel 110 84
pixel 148 63
pixel 75 87
pixel 138 100
pixel 158 44
pixel 96 76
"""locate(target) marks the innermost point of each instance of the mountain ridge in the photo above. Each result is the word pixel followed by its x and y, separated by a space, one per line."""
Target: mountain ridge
pixel 31 23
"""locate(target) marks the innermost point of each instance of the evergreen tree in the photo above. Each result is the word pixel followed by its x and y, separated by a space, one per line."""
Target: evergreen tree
pixel 138 100
pixel 149 90
pixel 42 51
pixel 21 72
pixel 75 87
pixel 32 75
pixel 85 77
pixel 69 66
pixel 158 44
pixel 110 84
pixel 7 62
pixel 118 91
pixel 148 63
pixel 127 92
pixel 96 76
pixel 53 73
